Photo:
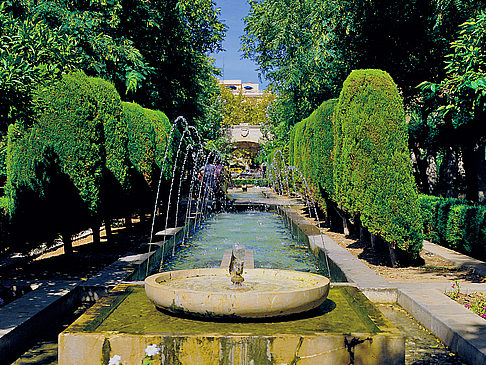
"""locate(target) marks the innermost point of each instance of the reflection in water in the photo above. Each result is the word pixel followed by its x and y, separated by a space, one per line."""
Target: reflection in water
pixel 263 232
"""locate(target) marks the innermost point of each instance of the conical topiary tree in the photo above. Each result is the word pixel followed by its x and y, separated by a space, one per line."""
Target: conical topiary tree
pixel 372 167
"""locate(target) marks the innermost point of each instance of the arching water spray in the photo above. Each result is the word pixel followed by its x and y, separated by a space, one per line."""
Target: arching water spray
pixel 193 180
pixel 307 193
pixel 157 195
pixel 188 149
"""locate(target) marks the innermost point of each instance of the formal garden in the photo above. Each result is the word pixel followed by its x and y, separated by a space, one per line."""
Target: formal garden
pixel 114 168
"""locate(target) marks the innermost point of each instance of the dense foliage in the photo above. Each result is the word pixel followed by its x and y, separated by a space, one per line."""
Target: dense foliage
pixel 372 168
pixel 455 223
pixel 318 142
pixel 67 137
pixel 239 108
pixel 60 162
pixel 148 133
pixel 78 163
pixel 153 52
pixel 355 151
pixel 455 108
pixel 306 50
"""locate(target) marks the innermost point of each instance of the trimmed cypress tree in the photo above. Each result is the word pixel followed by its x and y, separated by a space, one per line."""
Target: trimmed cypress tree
pixel 318 146
pixel 141 140
pixel 299 129
pixel 148 133
pixel 290 157
pixel 60 154
pixel 70 158
pixel 372 168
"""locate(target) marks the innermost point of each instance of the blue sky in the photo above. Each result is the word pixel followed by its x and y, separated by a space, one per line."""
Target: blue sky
pixel 231 59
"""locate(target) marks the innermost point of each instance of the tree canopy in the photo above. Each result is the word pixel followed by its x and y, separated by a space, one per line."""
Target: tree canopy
pixel 307 48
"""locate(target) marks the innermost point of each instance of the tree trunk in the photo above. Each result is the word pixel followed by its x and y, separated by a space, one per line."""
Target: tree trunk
pixel 68 243
pixel 96 234
pixel 470 156
pixel 393 257
pixel 421 176
pixel 373 241
pixel 128 222
pixel 363 234
pixel 448 173
pixel 108 229
pixel 345 226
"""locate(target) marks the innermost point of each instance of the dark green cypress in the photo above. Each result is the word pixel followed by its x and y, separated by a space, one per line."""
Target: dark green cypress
pixel 373 173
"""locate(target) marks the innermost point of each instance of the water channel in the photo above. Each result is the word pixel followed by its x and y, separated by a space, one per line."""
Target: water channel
pixel 266 233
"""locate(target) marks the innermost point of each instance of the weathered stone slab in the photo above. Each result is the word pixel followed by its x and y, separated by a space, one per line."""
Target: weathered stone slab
pixel 346 327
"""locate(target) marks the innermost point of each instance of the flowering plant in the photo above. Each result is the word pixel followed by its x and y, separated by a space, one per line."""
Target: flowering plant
pixel 454 292
pixel 150 353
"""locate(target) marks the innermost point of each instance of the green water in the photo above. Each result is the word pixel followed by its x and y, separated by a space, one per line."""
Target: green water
pixel 346 310
pixel 263 232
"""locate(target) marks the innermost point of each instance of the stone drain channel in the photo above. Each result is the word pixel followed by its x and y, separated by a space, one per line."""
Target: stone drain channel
pixel 415 309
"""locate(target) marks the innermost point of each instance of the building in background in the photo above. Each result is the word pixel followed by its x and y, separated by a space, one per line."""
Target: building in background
pixel 249 89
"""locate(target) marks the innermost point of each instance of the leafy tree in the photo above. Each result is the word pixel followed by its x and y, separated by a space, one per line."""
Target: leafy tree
pixel 156 52
pixel 307 48
pixel 459 99
pixel 284 41
pixel 174 38
pixel 31 53
pixel 239 108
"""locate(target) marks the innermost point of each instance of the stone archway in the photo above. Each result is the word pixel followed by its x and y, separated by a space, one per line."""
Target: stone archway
pixel 245 138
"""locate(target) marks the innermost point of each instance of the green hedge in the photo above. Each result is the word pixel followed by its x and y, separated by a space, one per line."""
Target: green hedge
pixel 55 168
pixel 148 131
pixel 455 223
pixel 299 130
pixel 74 167
pixel 318 142
pixel 355 151
pixel 290 158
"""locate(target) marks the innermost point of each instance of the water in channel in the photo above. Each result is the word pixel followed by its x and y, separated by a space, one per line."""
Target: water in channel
pixel 264 232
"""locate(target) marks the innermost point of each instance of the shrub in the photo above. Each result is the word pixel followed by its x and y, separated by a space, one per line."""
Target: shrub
pixel 443 210
pixel 455 223
pixel 141 140
pixel 298 142
pixel 115 139
pixel 372 167
pixel 291 147
pixel 428 207
pixel 66 163
pixel 318 142
pixel 148 133
pixel 479 249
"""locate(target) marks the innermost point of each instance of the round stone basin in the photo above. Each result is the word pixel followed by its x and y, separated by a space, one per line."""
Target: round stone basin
pixel 210 293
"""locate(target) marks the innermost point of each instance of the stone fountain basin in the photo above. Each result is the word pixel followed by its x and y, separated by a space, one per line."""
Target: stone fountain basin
pixel 209 292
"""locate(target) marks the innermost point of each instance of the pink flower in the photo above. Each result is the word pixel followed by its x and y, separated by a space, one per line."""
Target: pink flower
pixel 483 316
pixel 467 305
